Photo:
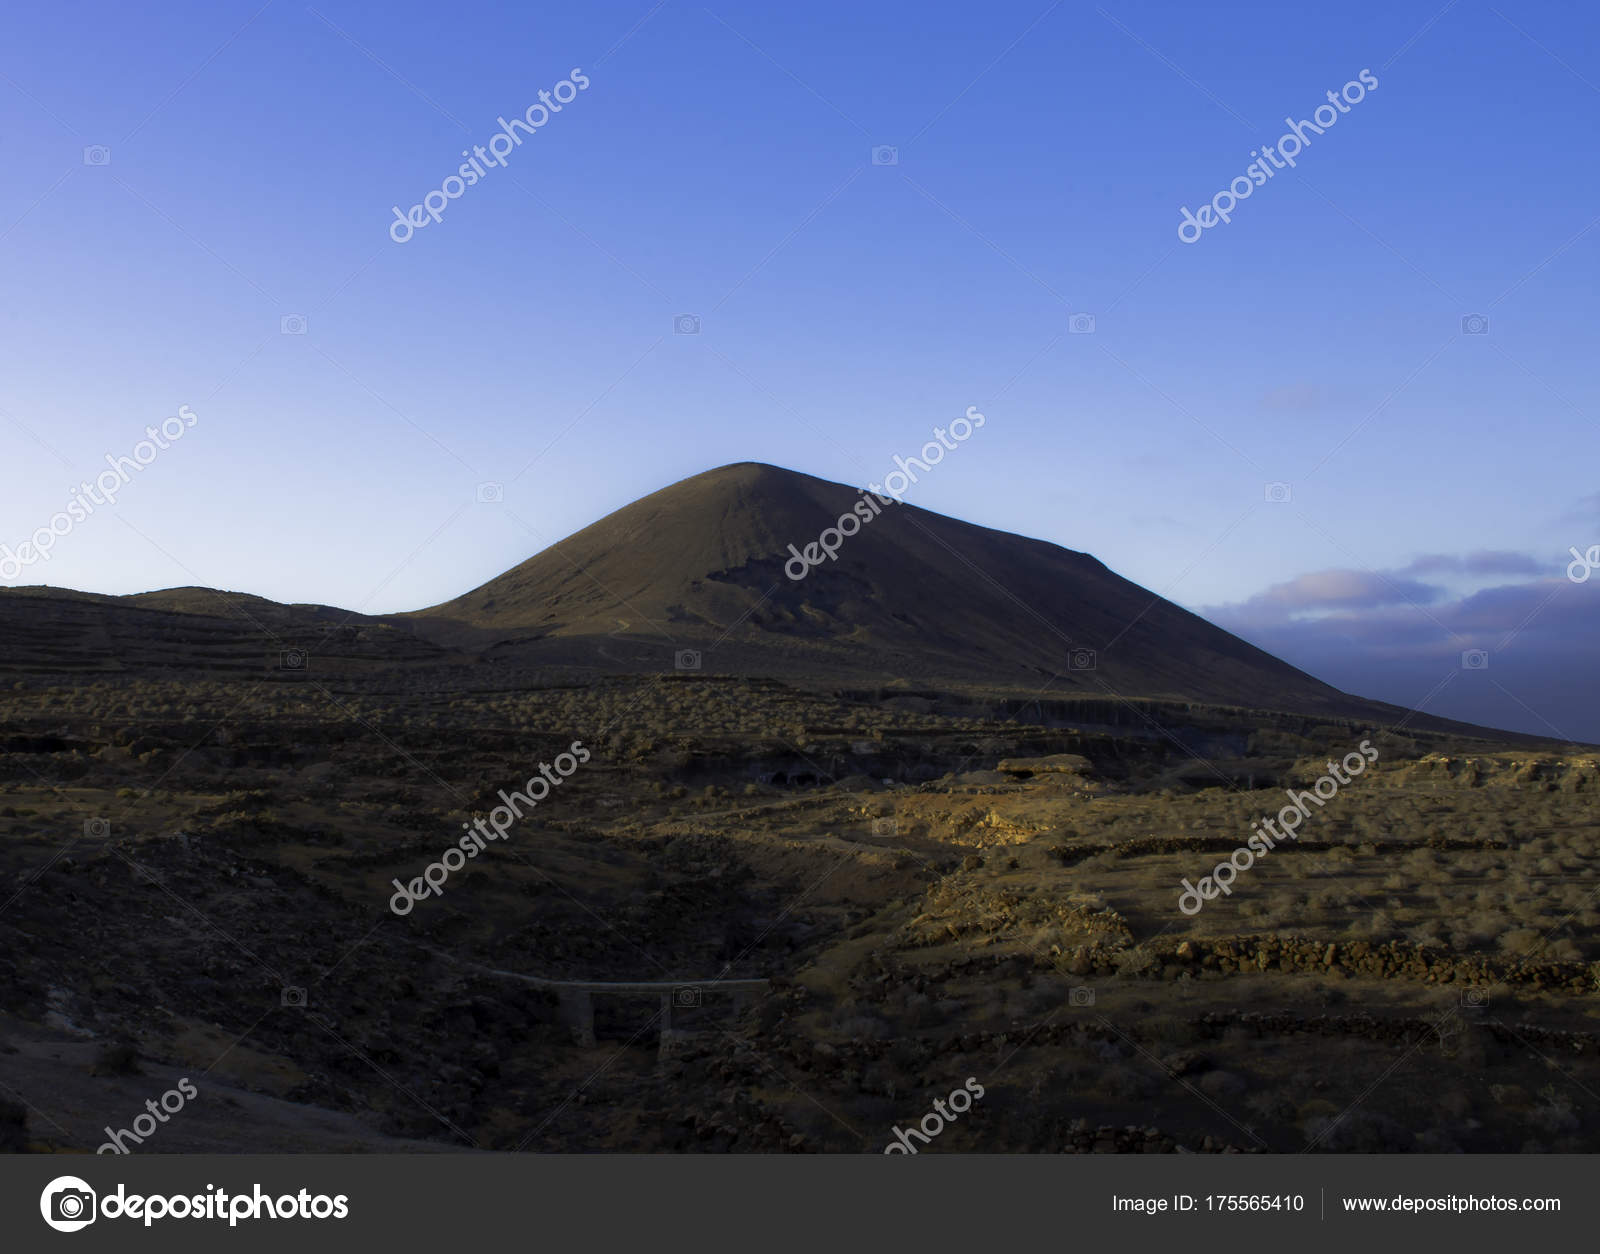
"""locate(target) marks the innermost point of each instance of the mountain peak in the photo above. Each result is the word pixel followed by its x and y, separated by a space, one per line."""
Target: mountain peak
pixel 708 564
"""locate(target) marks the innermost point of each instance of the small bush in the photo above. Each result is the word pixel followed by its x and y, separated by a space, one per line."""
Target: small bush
pixel 116 1058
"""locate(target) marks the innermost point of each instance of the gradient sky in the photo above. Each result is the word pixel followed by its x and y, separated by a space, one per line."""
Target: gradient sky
pixel 720 165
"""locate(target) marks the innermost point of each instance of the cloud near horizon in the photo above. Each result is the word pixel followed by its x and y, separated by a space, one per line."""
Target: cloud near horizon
pixel 1348 590
pixel 1395 637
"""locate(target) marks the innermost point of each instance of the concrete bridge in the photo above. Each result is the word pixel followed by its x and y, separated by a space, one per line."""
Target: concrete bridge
pixel 576 997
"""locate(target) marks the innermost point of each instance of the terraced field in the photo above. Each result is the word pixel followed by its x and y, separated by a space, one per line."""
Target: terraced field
pixel 939 886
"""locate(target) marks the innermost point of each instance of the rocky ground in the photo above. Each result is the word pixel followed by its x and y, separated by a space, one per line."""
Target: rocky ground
pixel 940 886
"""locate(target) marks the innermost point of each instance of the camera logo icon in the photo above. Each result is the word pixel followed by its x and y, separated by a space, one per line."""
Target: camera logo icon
pixel 687 660
pixel 292 324
pixel 883 154
pixel 1474 660
pixel 1080 324
pixel 97 154
pixel 685 996
pixel 96 829
pixel 1080 996
pixel 491 493
pixel 885 827
pixel 1474 998
pixel 292 998
pixel 292 660
pixel 1279 494
pixel 686 324
pixel 1082 660
pixel 1475 324
pixel 67 1204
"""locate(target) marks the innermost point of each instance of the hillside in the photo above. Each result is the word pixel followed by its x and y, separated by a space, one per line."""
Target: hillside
pixel 700 565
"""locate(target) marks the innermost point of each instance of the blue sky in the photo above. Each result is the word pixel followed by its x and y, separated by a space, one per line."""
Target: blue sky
pixel 719 164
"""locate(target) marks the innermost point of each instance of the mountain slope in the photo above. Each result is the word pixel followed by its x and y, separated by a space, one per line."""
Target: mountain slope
pixel 45 629
pixel 914 594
